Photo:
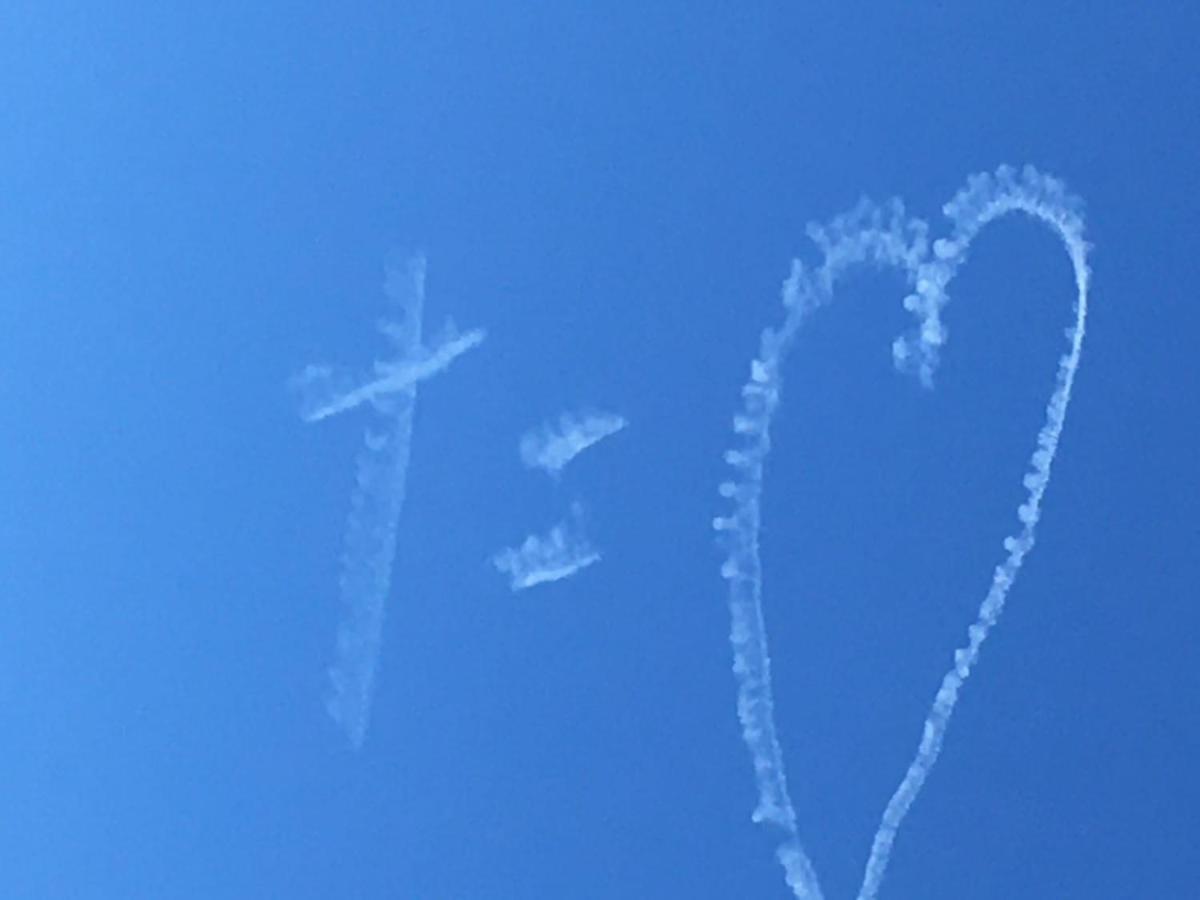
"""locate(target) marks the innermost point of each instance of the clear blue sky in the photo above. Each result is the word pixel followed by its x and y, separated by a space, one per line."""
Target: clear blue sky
pixel 195 204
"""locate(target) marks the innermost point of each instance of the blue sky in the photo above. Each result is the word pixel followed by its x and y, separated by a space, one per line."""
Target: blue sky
pixel 199 203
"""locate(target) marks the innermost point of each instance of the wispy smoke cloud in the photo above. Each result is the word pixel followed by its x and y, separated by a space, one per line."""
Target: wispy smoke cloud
pixel 558 554
pixel 880 236
pixel 555 444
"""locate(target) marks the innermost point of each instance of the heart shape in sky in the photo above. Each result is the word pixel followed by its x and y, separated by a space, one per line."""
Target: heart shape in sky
pixel 881 236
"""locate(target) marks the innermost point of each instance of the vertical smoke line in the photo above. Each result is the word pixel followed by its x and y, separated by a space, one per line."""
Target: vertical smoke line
pixel 367 557
pixel 370 541
pixel 869 234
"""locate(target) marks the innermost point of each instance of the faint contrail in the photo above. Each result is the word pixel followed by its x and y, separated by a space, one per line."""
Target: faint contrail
pixel 370 542
pixel 869 234
pixel 555 444
pixel 562 552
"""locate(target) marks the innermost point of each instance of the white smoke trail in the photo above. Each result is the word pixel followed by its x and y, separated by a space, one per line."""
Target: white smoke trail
pixel 562 552
pixel 869 234
pixel 554 445
pixel 382 468
pixel 984 199
pixel 370 541
pixel 326 392
pixel 366 573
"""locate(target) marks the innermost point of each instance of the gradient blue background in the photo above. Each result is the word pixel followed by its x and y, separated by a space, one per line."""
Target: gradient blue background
pixel 195 204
